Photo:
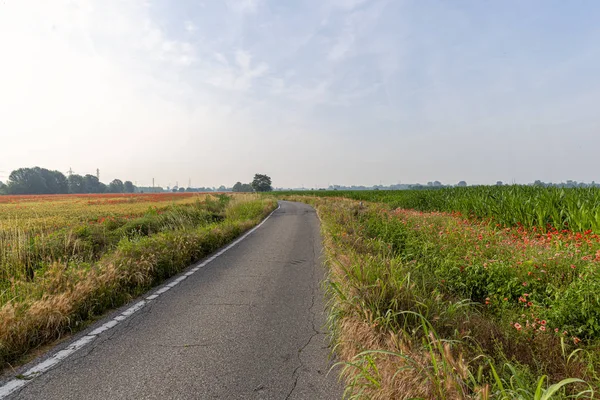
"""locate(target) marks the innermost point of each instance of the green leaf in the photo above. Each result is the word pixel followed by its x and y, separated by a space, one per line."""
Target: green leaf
pixel 554 388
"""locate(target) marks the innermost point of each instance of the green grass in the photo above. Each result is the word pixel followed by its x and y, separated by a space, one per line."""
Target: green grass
pixel 576 209
pixel 425 305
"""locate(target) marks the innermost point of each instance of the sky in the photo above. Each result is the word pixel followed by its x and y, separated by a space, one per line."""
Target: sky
pixel 311 93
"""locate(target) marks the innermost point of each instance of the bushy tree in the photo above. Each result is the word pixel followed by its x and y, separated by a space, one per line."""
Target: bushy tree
pixel 91 184
pixel 3 188
pixel 129 188
pixel 242 187
pixel 55 181
pixel 76 184
pixel 262 183
pixel 116 186
pixel 36 180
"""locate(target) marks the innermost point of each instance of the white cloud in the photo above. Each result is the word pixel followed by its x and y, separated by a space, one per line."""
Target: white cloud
pixel 238 77
pixel 243 59
pixel 190 27
pixel 342 46
pixel 243 6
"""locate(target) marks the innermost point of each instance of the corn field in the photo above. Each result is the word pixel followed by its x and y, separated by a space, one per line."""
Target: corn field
pixel 575 209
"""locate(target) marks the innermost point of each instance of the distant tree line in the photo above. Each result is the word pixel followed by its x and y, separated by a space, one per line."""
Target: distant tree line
pixel 38 180
pixel 440 185
pixel 567 184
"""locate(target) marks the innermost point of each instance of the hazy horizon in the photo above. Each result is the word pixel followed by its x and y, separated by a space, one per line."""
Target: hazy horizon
pixel 311 93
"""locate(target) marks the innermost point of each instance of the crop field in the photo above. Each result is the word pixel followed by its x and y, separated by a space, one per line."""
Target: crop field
pixel 30 226
pixel 467 293
pixel 65 259
pixel 575 209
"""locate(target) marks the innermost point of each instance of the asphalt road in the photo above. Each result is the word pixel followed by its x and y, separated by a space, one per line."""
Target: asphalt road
pixel 249 325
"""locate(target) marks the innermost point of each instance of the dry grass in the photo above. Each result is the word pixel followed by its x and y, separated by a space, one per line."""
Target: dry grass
pixel 399 368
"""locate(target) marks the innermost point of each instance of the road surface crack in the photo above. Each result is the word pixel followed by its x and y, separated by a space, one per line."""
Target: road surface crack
pixel 295 374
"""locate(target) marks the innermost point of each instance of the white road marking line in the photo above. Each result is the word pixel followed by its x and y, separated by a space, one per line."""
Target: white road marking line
pixel 134 308
pixel 104 327
pixel 11 386
pixel 162 290
pixel 15 384
pixel 58 357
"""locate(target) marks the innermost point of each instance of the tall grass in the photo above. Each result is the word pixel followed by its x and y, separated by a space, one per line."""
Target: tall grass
pixel 25 252
pixel 576 209
pixel 409 324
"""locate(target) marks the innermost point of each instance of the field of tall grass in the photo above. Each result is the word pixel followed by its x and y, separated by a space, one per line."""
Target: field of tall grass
pixel 575 209
pixel 64 260
pixel 457 304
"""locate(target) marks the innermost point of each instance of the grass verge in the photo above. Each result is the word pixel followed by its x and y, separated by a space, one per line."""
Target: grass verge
pixel 419 310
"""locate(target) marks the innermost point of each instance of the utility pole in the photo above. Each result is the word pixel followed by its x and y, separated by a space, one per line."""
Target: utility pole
pixel 98 174
pixel 189 182
pixel 152 183
pixel 70 171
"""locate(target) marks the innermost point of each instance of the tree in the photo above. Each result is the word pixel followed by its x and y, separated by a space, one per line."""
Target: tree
pixel 262 183
pixel 242 187
pixel 461 184
pixel 76 184
pixel 36 180
pixel 499 183
pixel 116 186
pixel 181 189
pixel 91 184
pixel 3 188
pixel 26 181
pixel 128 187
pixel 55 181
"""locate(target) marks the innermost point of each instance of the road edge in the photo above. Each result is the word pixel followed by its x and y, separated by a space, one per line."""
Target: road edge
pixel 45 364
